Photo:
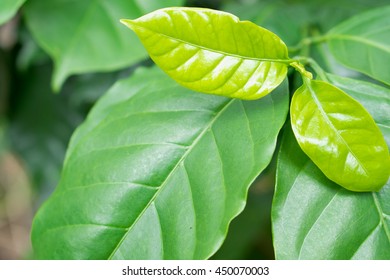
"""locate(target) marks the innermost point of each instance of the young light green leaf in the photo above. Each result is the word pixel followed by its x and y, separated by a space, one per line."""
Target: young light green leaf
pixel 213 52
pixel 92 40
pixel 8 8
pixel 363 43
pixel 314 218
pixel 375 98
pixel 154 174
pixel 340 136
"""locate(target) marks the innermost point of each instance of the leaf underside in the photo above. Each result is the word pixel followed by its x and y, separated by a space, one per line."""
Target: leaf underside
pixel 340 136
pixel 154 174
pixel 213 52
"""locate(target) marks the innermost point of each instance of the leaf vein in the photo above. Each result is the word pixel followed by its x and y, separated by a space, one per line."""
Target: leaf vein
pixel 172 172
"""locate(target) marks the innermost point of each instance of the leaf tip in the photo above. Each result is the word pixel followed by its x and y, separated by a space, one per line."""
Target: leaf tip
pixel 127 22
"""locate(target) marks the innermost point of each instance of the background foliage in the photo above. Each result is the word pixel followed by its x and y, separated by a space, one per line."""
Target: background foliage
pixel 80 50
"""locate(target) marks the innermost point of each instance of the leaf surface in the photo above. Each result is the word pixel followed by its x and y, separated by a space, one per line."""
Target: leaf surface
pixel 375 98
pixel 339 136
pixel 314 218
pixel 363 43
pixel 213 52
pixel 8 9
pixel 85 36
pixel 157 172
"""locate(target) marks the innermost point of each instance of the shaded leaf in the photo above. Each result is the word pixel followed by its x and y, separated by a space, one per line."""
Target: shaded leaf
pixel 313 218
pixel 40 127
pixel 363 43
pixel 93 40
pixel 213 52
pixel 154 174
pixel 340 136
pixel 298 17
pixel 8 9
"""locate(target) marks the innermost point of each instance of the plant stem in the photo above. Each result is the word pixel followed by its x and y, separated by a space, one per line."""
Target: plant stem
pixel 316 67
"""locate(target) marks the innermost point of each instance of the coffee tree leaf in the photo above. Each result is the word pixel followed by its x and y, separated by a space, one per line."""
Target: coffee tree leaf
pixel 340 136
pixel 85 36
pixel 375 98
pixel 213 52
pixel 153 173
pixel 363 43
pixel 314 218
pixel 8 9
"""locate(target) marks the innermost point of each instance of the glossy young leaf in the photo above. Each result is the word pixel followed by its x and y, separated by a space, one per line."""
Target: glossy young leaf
pixel 313 218
pixel 213 52
pixel 8 9
pixel 154 174
pixel 363 43
pixel 375 98
pixel 339 136
pixel 85 36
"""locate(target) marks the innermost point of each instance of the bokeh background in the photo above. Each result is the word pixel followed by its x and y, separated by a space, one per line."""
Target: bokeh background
pixel 36 123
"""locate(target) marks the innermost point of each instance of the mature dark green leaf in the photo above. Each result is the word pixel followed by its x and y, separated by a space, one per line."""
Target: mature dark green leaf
pixel 313 218
pixel 157 172
pixel 213 52
pixel 363 43
pixel 85 36
pixel 340 136
pixel 8 8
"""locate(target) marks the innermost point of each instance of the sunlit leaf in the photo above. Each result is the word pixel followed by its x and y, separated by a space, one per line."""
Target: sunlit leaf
pixel 153 173
pixel 340 137
pixel 213 52
pixel 363 43
pixel 375 98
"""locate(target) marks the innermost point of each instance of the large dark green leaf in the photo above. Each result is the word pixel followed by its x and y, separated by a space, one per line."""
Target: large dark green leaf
pixel 313 218
pixel 213 52
pixel 157 172
pixel 339 136
pixel 8 8
pixel 86 36
pixel 363 43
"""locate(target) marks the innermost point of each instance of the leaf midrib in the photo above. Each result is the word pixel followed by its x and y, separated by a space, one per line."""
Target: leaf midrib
pixel 360 40
pixel 172 172
pixel 275 60
pixel 380 212
pixel 329 122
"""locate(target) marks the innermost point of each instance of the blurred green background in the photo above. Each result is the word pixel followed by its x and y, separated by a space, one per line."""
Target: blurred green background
pixel 36 123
